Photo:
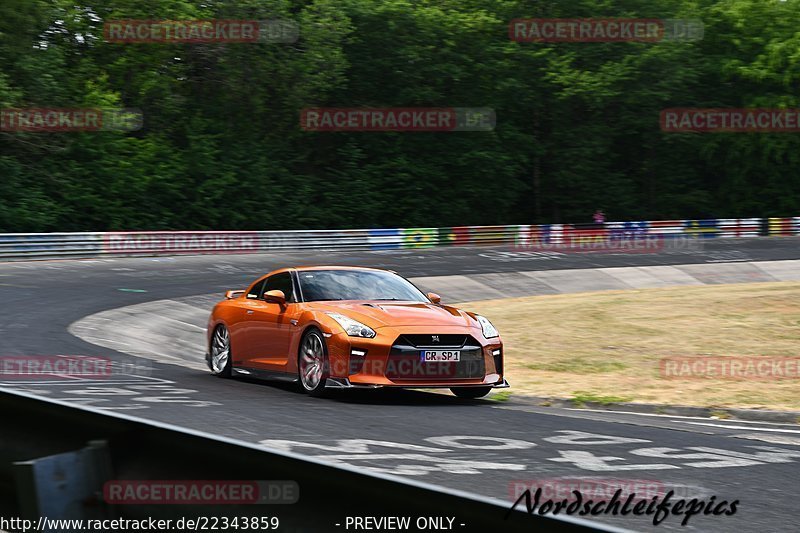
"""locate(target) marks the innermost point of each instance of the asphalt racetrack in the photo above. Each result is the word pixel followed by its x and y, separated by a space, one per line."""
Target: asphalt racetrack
pixel 485 447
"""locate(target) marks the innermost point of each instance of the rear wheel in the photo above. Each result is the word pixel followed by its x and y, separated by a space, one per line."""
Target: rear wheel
pixel 470 393
pixel 312 363
pixel 220 351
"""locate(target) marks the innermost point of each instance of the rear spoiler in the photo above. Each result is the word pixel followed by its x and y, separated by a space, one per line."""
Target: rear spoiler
pixel 230 295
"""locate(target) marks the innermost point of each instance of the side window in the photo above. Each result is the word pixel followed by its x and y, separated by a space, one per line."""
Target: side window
pixel 280 282
pixel 256 292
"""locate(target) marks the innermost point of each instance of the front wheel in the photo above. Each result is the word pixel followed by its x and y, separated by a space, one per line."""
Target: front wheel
pixel 312 363
pixel 220 351
pixel 470 393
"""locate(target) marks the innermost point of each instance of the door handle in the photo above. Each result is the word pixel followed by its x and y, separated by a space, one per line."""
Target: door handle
pixel 249 311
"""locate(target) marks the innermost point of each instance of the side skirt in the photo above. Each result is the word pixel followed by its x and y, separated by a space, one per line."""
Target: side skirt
pixel 271 375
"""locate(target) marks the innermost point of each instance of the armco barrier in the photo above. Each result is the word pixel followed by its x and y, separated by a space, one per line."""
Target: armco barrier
pixel 31 246
pixel 49 245
pixel 784 226
pixel 46 466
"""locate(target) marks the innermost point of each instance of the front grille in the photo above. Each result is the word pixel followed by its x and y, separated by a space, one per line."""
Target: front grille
pixel 405 358
pixel 434 341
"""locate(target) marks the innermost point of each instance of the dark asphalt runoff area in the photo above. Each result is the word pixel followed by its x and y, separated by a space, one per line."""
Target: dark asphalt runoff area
pixel 486 447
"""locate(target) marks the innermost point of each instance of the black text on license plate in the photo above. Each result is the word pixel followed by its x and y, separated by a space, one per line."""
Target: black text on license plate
pixel 430 356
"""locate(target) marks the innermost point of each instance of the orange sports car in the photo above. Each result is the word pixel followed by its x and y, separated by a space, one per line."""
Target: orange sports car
pixel 332 327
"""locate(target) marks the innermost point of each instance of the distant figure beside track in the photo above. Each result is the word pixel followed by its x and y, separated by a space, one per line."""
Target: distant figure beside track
pixel 599 217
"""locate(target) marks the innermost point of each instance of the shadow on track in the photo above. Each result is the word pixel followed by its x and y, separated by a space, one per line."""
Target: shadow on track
pixel 387 396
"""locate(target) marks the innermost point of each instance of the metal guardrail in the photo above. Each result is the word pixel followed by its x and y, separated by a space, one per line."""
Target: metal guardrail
pixel 783 226
pixel 45 462
pixel 32 246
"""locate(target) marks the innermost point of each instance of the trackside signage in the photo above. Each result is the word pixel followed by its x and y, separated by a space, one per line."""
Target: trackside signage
pixel 200 492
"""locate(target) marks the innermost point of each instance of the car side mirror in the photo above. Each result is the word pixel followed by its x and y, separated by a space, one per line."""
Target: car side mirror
pixel 276 297
pixel 435 298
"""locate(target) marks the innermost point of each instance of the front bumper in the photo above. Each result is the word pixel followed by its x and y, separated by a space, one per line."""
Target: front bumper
pixel 344 383
pixel 392 359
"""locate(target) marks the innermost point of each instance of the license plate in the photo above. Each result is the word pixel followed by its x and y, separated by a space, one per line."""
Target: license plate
pixel 430 356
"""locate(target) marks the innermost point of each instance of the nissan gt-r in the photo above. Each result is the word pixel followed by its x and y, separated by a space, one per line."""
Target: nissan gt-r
pixel 333 327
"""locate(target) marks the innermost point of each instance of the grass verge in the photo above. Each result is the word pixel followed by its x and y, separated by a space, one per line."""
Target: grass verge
pixel 607 346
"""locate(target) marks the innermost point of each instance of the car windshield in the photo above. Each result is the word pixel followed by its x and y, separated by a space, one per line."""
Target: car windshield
pixel 318 285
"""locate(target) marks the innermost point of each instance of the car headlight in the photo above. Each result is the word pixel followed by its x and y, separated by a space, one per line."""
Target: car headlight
pixel 489 331
pixel 352 327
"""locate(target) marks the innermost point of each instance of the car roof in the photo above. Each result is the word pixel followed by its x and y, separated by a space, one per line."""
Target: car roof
pixel 336 267
pixel 305 268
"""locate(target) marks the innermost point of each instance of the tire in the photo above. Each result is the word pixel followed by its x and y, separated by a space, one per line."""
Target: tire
pixel 470 393
pixel 219 360
pixel 312 363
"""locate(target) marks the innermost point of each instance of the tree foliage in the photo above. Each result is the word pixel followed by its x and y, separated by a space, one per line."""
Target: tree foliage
pixel 221 147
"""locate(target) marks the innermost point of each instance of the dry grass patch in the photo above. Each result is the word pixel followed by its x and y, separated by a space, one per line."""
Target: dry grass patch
pixel 610 344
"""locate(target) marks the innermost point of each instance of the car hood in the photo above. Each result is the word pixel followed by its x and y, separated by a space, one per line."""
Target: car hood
pixel 377 314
